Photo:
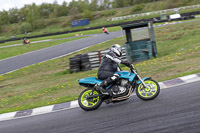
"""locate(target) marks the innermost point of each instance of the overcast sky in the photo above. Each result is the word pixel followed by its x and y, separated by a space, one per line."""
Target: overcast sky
pixel 7 4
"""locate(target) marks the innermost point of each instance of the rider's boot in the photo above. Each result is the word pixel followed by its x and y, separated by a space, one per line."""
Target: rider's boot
pixel 104 91
pixel 102 86
pixel 106 83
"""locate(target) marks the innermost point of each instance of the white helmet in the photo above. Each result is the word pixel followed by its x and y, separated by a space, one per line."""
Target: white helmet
pixel 116 48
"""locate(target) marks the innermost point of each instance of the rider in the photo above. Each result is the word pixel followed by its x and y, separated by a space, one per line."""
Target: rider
pixel 105 30
pixel 108 67
pixel 24 41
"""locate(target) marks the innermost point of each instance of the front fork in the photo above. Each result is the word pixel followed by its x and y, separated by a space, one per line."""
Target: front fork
pixel 94 88
pixel 140 79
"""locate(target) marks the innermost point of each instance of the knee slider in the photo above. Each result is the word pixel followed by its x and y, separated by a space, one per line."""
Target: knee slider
pixel 105 83
pixel 115 77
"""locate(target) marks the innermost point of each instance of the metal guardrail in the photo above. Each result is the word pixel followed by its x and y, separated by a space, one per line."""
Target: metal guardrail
pixel 154 12
pixel 89 61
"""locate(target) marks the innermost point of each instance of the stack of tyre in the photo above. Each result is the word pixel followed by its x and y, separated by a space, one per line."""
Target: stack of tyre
pixel 79 63
pixel 85 62
pixel 74 64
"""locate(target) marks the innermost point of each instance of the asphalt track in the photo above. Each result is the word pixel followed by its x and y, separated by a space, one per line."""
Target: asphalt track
pixel 175 110
pixel 20 61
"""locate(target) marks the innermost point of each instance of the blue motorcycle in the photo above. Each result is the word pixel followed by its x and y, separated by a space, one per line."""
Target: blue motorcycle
pixel 91 98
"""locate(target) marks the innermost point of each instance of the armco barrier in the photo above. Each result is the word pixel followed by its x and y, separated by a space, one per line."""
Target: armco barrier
pixel 155 12
pixel 92 60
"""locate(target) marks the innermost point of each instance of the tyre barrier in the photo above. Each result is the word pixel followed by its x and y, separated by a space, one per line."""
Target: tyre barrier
pixel 89 61
pixel 158 12
pixel 75 64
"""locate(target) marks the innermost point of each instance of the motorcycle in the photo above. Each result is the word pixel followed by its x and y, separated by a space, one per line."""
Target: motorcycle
pixel 105 30
pixel 91 98
pixel 25 41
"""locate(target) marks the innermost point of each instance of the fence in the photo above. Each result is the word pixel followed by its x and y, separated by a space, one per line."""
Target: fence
pixel 154 12
pixel 89 61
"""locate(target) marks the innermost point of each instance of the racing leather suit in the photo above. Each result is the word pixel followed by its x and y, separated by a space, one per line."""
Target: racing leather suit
pixel 108 67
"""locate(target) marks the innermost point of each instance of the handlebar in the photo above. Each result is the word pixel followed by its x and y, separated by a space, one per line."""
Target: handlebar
pixel 132 68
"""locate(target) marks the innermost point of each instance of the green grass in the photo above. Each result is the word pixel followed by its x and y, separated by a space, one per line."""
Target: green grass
pixel 51 83
pixel 87 32
pixel 18 50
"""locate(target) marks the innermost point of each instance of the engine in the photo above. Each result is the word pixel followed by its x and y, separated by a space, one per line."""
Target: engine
pixel 121 87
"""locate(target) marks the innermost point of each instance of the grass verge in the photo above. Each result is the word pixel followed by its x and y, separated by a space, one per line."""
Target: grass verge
pixel 88 32
pixel 50 82
pixel 21 49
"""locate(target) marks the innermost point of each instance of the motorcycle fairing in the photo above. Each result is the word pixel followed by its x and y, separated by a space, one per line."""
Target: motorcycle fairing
pixel 90 80
pixel 126 75
pixel 93 80
pixel 130 76
pixel 123 74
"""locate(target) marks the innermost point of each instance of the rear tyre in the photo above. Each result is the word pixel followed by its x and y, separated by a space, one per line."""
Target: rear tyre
pixel 89 104
pixel 150 92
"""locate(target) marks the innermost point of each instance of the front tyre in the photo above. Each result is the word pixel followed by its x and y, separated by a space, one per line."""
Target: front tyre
pixel 89 104
pixel 149 93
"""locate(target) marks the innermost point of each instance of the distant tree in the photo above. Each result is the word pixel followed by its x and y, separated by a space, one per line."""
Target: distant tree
pixel 74 13
pixel 22 13
pixel 0 24
pixel 73 4
pixel 128 3
pixel 55 7
pixel 44 10
pixel 4 17
pixel 63 10
pixel 105 4
pixel 118 3
pixel 73 8
pixel 137 8
pixel 93 5
pixel 13 15
pixel 83 5
pixel 87 14
pixel 25 28
pixel 32 14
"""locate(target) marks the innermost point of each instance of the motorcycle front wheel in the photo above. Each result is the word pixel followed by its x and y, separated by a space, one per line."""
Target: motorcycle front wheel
pixel 89 103
pixel 149 93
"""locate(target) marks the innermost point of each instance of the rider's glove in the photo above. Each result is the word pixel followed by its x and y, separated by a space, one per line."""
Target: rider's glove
pixel 126 63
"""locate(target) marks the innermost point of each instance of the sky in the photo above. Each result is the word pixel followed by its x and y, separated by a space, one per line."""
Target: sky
pixel 7 4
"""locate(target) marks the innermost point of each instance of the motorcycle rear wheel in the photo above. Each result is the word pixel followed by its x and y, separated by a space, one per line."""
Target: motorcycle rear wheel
pixel 148 93
pixel 89 104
